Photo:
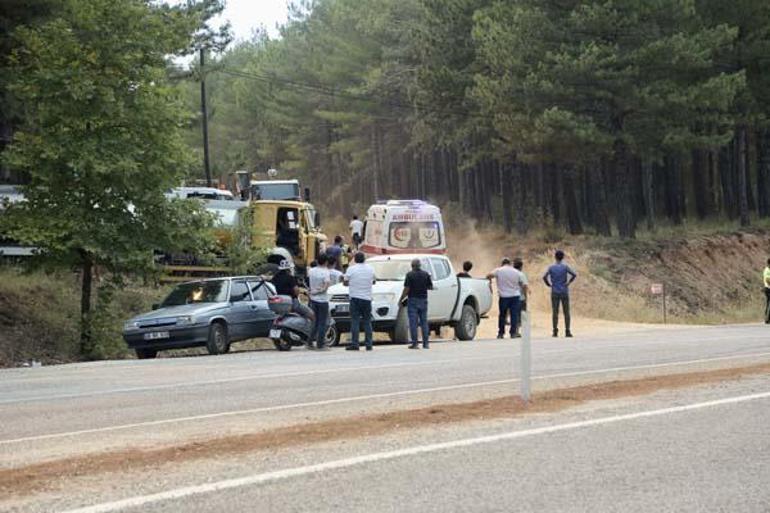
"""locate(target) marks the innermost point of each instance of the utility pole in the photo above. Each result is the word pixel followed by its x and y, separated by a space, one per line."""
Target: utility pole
pixel 204 113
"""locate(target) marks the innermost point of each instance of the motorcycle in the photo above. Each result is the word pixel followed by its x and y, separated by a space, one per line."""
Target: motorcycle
pixel 290 329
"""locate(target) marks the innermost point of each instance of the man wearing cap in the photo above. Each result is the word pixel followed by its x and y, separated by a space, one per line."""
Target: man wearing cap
pixel 559 277
pixel 286 285
pixel 510 285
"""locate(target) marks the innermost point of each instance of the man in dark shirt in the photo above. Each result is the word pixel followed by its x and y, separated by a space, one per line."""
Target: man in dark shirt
pixel 416 287
pixel 286 285
pixel 335 251
pixel 284 282
pixel 467 266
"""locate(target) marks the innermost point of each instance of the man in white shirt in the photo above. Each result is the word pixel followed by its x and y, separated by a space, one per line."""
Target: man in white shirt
pixel 510 284
pixel 356 231
pixel 319 280
pixel 359 278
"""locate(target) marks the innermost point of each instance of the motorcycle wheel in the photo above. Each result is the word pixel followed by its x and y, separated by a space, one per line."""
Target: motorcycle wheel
pixel 282 344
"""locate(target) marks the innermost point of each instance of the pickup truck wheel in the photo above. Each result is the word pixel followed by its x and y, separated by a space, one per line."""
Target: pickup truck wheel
pixel 145 354
pixel 400 334
pixel 332 336
pixel 466 328
pixel 218 342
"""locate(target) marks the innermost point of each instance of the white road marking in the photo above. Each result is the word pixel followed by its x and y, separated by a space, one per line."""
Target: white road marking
pixel 258 479
pixel 383 395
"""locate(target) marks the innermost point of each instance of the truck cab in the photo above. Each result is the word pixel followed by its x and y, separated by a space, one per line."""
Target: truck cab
pixel 292 225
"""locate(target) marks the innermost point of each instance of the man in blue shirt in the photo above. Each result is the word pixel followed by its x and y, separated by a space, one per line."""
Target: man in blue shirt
pixel 559 277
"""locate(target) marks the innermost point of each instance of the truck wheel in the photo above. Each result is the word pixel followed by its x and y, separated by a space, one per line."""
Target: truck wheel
pixel 145 354
pixel 466 328
pixel 218 342
pixel 400 333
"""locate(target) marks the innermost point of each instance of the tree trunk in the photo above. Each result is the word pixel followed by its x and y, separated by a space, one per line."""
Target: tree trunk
pixel 506 187
pixel 522 173
pixel 85 303
pixel 569 193
pixel 648 191
pixel 726 177
pixel 599 199
pixel 700 176
pixel 625 208
pixel 743 199
pixel 763 172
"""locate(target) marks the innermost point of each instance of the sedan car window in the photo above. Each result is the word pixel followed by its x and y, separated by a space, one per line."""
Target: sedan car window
pixel 239 292
pixel 213 291
pixel 259 291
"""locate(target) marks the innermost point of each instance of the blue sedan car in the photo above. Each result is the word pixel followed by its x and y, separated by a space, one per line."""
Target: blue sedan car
pixel 211 313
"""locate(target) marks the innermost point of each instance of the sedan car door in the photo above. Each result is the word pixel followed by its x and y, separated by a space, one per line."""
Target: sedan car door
pixel 260 317
pixel 240 311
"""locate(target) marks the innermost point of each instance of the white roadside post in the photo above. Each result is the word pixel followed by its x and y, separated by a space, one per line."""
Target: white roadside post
pixel 526 357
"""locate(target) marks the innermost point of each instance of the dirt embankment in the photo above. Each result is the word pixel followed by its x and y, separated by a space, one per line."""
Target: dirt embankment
pixel 709 279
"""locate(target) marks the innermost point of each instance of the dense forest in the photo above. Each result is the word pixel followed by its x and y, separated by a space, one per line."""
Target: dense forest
pixel 595 115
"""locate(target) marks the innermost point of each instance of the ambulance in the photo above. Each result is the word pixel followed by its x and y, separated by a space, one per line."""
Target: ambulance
pixel 403 226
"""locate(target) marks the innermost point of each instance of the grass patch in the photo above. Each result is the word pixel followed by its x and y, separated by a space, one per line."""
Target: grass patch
pixel 40 317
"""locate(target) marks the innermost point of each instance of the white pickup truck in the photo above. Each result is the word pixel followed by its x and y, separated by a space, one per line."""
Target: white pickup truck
pixel 456 302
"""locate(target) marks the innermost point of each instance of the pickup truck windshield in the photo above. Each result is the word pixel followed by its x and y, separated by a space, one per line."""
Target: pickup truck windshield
pixel 393 270
pixel 197 292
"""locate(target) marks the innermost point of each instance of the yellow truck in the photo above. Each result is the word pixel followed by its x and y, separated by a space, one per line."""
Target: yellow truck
pixel 290 229
pixel 284 228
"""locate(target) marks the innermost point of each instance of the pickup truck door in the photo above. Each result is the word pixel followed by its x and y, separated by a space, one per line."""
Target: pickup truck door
pixel 444 294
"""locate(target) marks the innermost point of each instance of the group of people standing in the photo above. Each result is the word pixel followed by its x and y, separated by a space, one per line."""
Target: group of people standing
pixel 513 288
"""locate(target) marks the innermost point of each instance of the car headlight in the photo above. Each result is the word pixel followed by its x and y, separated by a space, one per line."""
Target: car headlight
pixel 130 325
pixel 384 298
pixel 185 319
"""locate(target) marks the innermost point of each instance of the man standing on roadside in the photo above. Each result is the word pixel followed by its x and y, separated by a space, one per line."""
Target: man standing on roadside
pixel 510 284
pixel 416 287
pixel 359 278
pixel 335 251
pixel 319 281
pixel 518 264
pixel 335 275
pixel 766 279
pixel 356 232
pixel 467 266
pixel 559 277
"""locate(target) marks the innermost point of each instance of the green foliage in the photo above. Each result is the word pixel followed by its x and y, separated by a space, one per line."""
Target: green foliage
pixel 101 138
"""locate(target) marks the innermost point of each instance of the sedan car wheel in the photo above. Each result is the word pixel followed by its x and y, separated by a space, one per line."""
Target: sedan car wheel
pixel 147 353
pixel 218 342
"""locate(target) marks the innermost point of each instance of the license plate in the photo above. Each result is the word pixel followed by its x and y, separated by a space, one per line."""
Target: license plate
pixel 275 333
pixel 155 335
pixel 342 309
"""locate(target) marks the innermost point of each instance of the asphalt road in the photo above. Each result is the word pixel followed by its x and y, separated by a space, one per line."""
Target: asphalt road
pixel 51 412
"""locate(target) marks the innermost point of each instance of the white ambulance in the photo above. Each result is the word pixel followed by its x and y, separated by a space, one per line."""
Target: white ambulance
pixel 403 226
